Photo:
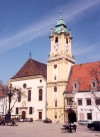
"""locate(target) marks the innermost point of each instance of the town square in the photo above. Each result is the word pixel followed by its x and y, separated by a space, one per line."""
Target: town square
pixel 40 129
pixel 50 68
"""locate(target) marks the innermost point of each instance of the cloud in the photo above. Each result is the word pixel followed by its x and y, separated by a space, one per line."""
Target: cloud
pixel 89 51
pixel 70 11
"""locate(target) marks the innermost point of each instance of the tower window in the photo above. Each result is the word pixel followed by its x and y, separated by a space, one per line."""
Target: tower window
pixel 56 39
pixel 55 89
pixel 55 103
pixel 55 77
pixel 67 40
pixel 55 66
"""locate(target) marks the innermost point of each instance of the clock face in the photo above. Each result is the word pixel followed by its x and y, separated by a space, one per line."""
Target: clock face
pixel 56 46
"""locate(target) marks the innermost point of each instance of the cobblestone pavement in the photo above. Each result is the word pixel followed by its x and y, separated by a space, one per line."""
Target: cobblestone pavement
pixel 40 129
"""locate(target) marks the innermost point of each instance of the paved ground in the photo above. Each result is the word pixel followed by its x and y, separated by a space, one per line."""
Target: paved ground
pixel 39 129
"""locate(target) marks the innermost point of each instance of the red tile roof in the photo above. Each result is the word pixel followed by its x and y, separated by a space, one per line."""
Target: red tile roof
pixel 83 74
pixel 32 68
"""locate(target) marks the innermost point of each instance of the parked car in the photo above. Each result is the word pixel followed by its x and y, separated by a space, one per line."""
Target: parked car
pixel 28 120
pixel 84 122
pixel 95 125
pixel 47 120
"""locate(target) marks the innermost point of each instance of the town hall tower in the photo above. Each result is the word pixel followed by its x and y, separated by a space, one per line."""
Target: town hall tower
pixel 58 68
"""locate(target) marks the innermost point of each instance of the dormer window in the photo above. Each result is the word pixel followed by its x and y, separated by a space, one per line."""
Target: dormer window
pixel 56 39
pixel 75 86
pixel 93 84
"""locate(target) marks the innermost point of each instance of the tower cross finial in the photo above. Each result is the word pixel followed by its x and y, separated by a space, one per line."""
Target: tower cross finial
pixel 30 54
pixel 60 13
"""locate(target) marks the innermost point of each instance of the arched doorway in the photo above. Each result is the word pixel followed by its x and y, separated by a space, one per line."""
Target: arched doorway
pixel 23 114
pixel 71 116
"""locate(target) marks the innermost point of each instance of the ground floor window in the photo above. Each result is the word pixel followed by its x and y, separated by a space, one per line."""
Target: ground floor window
pixel 89 116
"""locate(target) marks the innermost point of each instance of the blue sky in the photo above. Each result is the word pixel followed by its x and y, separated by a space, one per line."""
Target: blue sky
pixel 25 26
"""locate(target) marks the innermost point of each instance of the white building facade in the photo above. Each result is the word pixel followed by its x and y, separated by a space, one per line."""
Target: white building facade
pixel 30 99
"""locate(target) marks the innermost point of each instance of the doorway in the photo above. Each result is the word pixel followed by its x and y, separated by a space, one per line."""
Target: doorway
pixel 23 114
pixel 71 116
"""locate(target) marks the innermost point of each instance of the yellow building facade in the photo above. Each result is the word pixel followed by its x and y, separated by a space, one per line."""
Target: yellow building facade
pixel 58 68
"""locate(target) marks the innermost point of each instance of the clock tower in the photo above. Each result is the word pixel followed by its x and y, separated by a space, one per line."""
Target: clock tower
pixel 58 68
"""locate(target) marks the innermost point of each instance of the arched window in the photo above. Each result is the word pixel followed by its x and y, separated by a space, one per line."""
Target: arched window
pixel 55 66
pixel 40 94
pixel 56 39
pixel 29 95
pixel 19 96
pixel 55 88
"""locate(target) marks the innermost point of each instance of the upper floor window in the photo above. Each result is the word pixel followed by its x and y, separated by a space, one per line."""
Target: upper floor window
pixel 79 101
pixel 29 95
pixel 69 101
pixel 40 80
pixel 19 96
pixel 55 88
pixel 40 94
pixel 97 101
pixel 24 85
pixel 88 101
pixel 56 39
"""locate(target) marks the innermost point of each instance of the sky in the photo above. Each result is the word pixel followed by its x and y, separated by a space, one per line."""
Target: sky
pixel 25 26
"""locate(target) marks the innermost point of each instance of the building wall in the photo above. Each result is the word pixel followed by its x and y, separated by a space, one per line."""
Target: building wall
pixel 83 109
pixel 34 85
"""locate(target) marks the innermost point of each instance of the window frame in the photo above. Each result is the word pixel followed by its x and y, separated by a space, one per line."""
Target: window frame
pixel 40 94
